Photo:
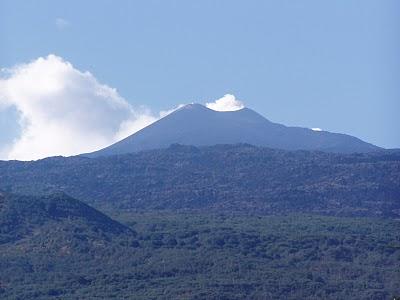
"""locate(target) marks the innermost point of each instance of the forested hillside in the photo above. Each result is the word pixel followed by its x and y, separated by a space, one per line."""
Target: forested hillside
pixel 59 248
pixel 239 178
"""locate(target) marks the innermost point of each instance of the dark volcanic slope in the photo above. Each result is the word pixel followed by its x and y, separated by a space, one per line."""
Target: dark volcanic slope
pixel 197 125
pixel 223 178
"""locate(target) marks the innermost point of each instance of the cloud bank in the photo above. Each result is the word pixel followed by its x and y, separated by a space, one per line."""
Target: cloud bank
pixel 226 103
pixel 63 111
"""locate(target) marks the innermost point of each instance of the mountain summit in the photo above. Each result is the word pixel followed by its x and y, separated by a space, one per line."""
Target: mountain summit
pixel 197 125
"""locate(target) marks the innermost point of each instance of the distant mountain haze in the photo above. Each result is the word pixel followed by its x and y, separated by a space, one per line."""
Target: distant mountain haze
pixel 197 125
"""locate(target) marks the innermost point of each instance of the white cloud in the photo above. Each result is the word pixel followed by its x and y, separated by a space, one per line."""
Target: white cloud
pixel 226 103
pixel 62 23
pixel 316 129
pixel 63 111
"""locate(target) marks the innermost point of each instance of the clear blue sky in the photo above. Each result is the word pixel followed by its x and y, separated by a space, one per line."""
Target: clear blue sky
pixel 328 64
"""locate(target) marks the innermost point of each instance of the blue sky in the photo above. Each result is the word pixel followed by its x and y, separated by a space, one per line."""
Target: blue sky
pixel 328 64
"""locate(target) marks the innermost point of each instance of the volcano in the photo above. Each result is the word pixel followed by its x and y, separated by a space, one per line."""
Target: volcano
pixel 197 125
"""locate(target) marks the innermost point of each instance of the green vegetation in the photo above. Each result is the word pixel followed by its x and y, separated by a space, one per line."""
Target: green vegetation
pixel 75 255
pixel 222 222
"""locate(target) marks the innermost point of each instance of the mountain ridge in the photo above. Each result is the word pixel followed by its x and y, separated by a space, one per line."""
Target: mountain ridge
pixel 240 178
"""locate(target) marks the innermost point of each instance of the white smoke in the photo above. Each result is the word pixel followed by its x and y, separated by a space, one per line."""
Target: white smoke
pixel 226 103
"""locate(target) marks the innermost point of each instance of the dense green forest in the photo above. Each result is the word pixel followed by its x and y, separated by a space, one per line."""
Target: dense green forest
pixel 56 247
pixel 221 222
pixel 228 178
